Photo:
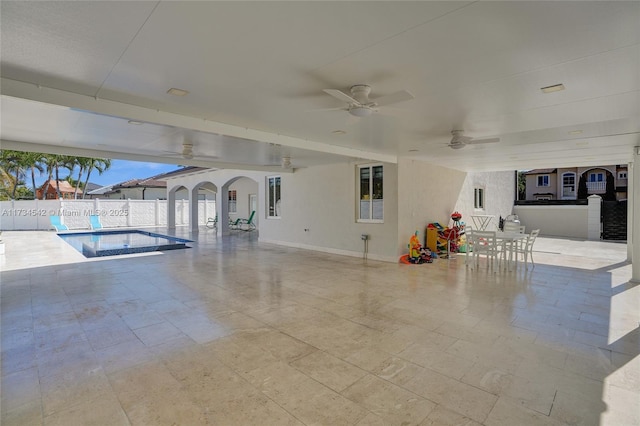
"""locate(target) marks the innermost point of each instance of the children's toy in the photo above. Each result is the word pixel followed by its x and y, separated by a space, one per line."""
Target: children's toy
pixel 417 253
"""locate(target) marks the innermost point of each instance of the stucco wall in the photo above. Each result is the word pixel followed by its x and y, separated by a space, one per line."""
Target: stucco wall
pixel 430 193
pixel 319 212
pixel 556 221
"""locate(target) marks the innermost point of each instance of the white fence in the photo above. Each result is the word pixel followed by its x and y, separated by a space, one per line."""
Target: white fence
pixel 34 214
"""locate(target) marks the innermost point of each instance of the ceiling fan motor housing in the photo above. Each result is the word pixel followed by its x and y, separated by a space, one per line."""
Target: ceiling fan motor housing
pixel 360 93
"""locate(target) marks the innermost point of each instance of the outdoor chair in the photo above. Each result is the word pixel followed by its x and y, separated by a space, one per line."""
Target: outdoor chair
pixel 57 224
pixel 244 224
pixel 94 221
pixel 526 248
pixel 212 223
pixel 482 242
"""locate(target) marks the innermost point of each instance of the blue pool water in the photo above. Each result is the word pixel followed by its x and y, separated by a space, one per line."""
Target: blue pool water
pixel 112 243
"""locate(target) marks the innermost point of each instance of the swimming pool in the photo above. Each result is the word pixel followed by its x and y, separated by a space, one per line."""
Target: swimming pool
pixel 113 243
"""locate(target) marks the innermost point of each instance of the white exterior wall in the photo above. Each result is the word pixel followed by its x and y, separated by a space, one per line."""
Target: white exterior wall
pixel 555 221
pixel 430 193
pixel 319 213
pixel 34 214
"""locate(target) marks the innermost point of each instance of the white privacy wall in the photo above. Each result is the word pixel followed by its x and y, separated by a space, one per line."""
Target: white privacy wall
pixel 430 193
pixel 34 214
pixel 319 212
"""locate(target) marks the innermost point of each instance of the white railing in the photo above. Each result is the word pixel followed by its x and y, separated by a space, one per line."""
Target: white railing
pixel 596 187
pixel 34 214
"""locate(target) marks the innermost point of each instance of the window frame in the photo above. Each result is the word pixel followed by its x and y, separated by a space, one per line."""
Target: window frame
pixel 544 178
pixel 277 203
pixel 479 198
pixel 596 177
pixel 622 175
pixel 232 200
pixel 359 199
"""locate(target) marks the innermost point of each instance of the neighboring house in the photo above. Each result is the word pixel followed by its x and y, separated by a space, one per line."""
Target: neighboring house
pixel 67 191
pixel 151 188
pixel 562 183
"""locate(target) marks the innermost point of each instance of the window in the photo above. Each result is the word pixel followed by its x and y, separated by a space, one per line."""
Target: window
pixel 370 196
pixel 543 180
pixel 596 177
pixel 622 175
pixel 273 196
pixel 569 185
pixel 478 198
pixel 232 201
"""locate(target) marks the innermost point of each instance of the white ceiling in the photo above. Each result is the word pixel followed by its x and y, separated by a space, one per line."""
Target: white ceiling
pixel 74 74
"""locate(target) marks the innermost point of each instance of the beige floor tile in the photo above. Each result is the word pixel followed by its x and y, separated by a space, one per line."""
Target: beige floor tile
pixel 303 397
pixel 29 414
pixel 233 332
pixel 441 416
pixel 508 413
pixel 20 388
pixel 390 402
pixel 329 370
pixel 453 394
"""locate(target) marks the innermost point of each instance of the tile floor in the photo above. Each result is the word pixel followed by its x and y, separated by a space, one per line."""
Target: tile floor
pixel 234 332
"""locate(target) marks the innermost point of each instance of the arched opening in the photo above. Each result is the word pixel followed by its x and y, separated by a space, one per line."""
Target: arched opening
pixel 203 204
pixel 237 199
pixel 569 186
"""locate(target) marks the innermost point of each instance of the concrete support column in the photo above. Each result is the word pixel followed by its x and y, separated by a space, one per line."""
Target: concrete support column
pixel 594 224
pixel 193 209
pixel 223 201
pixel 634 198
pixel 630 212
pixel 171 210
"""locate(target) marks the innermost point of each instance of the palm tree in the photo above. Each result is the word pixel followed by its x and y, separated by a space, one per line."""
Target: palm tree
pixel 35 160
pixel 83 163
pixel 101 165
pixel 15 163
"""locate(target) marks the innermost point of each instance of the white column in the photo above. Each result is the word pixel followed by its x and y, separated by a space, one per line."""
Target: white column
pixel 594 224
pixel 630 212
pixel 193 209
pixel 634 198
pixel 223 219
pixel 171 210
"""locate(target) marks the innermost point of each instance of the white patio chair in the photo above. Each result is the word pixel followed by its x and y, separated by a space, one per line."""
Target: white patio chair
pixel 526 248
pixel 483 242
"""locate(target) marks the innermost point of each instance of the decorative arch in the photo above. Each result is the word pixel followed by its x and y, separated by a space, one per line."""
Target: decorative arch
pixel 171 205
pixel 222 201
pixel 201 188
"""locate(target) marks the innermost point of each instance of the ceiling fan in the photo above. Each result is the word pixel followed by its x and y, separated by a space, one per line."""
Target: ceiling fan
pixel 187 153
pixel 359 104
pixel 460 141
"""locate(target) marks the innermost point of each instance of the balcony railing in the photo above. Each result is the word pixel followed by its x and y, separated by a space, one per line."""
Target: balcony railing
pixel 596 187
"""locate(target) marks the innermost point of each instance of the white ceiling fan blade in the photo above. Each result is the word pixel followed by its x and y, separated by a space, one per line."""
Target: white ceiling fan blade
pixel 327 109
pixel 341 96
pixel 394 98
pixel 481 141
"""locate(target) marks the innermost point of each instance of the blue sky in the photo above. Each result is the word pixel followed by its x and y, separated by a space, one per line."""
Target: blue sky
pixel 120 171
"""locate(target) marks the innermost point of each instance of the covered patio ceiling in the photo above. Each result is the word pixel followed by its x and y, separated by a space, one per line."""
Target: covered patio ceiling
pixel 91 78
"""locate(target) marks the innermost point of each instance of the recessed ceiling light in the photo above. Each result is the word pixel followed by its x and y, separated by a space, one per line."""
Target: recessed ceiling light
pixel 339 132
pixel 575 132
pixel 554 88
pixel 177 92
pixel 135 123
